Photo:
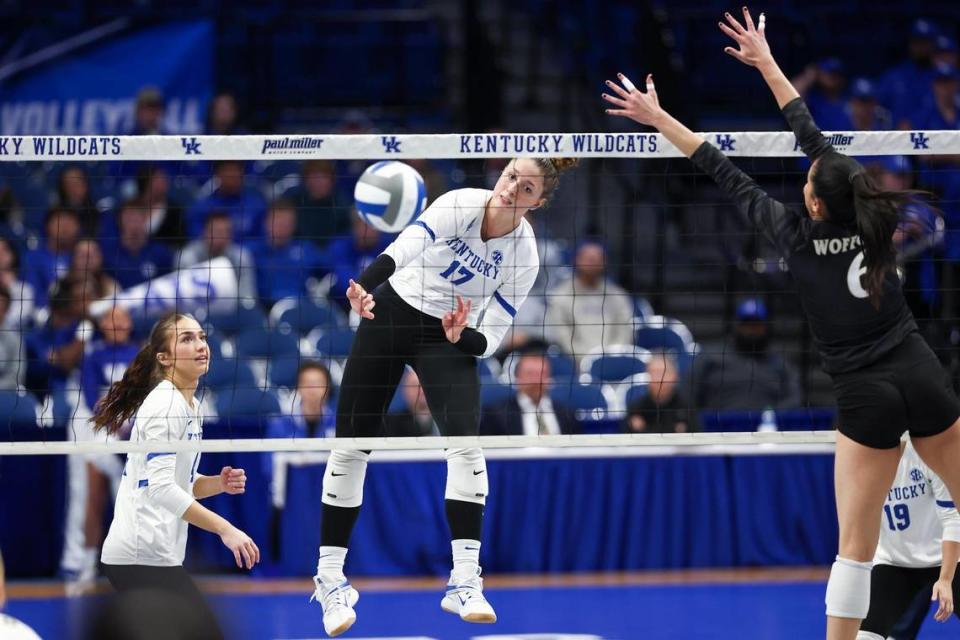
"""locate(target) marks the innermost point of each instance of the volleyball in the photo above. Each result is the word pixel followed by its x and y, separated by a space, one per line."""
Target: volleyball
pixel 390 195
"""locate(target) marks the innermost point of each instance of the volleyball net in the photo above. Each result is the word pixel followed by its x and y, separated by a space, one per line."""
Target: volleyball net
pixel 654 297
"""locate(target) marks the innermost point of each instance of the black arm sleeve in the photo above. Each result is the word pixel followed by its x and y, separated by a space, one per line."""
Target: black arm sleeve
pixel 377 273
pixel 472 342
pixel 805 129
pixel 775 221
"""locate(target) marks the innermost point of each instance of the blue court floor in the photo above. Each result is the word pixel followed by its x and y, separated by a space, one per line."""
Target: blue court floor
pixel 789 610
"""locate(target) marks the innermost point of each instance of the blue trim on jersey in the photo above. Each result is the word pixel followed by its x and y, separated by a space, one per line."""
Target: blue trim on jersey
pixel 143 483
pixel 946 504
pixel 423 224
pixel 151 456
pixel 505 304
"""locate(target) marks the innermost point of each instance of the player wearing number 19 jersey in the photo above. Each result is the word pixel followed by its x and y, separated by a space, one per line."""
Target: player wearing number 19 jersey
pixel 919 546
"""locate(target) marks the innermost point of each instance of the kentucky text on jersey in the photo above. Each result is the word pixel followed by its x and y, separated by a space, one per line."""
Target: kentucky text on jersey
pixel 510 143
pixel 907 492
pixel 74 146
pixel 303 143
pixel 833 246
pixel 472 260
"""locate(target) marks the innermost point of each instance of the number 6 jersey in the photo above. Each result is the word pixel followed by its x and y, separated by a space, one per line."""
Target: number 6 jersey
pixel 917 516
pixel 441 255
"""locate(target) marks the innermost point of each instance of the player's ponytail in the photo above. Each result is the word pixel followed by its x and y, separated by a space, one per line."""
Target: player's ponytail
pixel 853 199
pixel 552 168
pixel 144 373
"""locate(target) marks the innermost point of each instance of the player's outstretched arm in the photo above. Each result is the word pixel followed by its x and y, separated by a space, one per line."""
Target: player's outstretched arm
pixel 644 107
pixel 752 50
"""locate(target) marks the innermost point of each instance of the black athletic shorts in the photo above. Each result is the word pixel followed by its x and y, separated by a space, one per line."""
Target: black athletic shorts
pixel 907 389
pixel 893 591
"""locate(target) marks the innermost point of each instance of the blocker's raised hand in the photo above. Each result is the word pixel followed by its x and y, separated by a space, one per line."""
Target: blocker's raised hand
pixel 751 40
pixel 639 106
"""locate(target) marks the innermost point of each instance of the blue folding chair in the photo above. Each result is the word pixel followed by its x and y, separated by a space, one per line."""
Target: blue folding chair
pixel 613 364
pixel 302 315
pixel 587 401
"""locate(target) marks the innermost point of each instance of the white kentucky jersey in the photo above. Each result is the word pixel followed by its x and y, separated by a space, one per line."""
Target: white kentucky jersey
pixel 156 488
pixel 917 516
pixel 441 255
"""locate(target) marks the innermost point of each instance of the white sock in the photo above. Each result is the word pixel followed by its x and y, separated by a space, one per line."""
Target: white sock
pixel 330 564
pixel 466 559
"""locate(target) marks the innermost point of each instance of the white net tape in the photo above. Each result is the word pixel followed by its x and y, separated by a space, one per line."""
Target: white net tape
pixel 615 444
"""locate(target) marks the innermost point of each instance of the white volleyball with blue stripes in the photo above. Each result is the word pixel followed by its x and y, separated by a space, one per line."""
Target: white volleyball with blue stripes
pixel 390 195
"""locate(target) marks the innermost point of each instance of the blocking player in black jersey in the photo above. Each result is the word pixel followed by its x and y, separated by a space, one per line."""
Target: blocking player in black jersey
pixel 840 252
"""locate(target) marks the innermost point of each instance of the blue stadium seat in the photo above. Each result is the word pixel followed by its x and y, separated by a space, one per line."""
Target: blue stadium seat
pixel 613 364
pixel 282 372
pixel 241 319
pixel 666 334
pixel 589 402
pixel 18 408
pixel 492 392
pixel 229 373
pixel 562 366
pixel 246 406
pixel 260 343
pixel 302 315
pixel 632 389
pixel 334 342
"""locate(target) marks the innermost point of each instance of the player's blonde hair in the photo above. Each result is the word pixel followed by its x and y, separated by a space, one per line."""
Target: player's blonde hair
pixel 552 168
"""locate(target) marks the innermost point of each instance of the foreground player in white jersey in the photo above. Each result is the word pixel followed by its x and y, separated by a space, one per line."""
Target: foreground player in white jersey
pixel 919 546
pixel 471 251
pixel 159 491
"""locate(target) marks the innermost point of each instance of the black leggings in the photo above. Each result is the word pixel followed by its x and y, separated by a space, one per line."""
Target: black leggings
pixel 175 587
pixel 400 335
pixel 893 590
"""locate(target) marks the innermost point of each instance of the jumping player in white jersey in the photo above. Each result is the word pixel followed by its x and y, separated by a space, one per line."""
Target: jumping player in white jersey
pixel 158 494
pixel 919 547
pixel 471 251
pixel 841 255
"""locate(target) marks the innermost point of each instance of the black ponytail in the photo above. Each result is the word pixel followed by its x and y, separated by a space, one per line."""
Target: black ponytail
pixel 853 199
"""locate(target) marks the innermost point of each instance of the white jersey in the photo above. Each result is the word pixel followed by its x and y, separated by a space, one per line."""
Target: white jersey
pixel 917 516
pixel 441 255
pixel 156 488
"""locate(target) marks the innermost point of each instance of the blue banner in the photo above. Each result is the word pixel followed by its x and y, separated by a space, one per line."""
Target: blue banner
pixel 93 91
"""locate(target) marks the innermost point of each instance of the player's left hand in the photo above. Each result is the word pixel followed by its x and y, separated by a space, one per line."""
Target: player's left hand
pixel 454 322
pixel 233 481
pixel 943 591
pixel 639 106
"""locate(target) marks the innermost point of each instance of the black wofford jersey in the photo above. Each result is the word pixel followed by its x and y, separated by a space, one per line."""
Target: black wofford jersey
pixel 826 260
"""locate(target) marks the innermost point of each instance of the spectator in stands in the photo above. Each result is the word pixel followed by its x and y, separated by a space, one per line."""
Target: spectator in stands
pixel 135 257
pixel 311 416
pixel 822 85
pixel 104 363
pixel 530 412
pixel 415 419
pixel 319 219
pixel 863 110
pixel 54 350
pixel 945 51
pixel 11 216
pixel 13 365
pixel 22 296
pixel 245 204
pixel 87 262
pixel 905 87
pixel 589 311
pixel 283 263
pixel 746 375
pixel 73 192
pixel 166 216
pixel 663 409
pixel 218 241
pixel 51 260
pixel 148 113
pixel 223 116
pixel 349 256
